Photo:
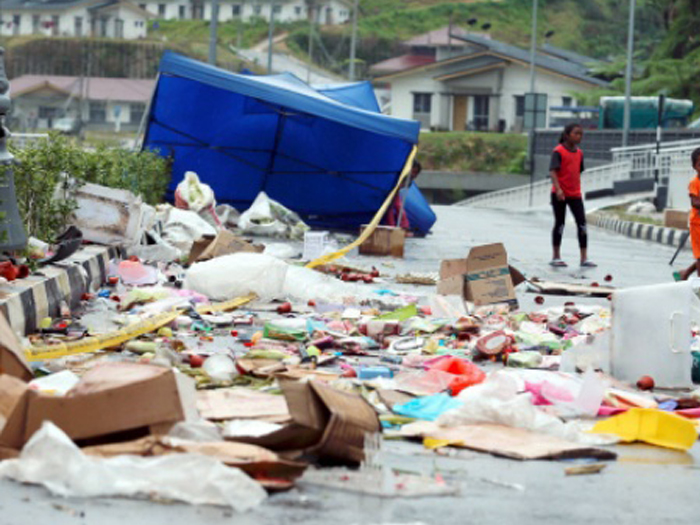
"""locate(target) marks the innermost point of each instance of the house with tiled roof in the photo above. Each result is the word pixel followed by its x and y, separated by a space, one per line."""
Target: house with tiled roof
pixel 456 80
pixel 39 100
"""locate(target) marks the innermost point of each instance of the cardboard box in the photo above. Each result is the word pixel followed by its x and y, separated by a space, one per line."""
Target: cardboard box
pixel 110 399
pixel 484 277
pixel 327 423
pixel 223 243
pixel 385 240
pixel 12 360
pixel 676 219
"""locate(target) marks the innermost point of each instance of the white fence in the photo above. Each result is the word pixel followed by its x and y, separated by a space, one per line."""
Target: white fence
pixel 646 161
pixel 538 194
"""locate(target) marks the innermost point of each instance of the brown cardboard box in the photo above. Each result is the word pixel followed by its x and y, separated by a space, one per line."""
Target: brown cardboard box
pixel 224 243
pixel 385 240
pixel 327 423
pixel 110 399
pixel 676 219
pixel 12 360
pixel 484 277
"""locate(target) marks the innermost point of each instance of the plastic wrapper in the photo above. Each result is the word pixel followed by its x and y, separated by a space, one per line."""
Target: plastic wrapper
pixel 192 194
pixel 270 218
pixel 236 275
pixel 51 459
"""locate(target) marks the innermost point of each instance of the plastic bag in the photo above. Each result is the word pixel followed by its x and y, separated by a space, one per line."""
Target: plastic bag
pixel 236 275
pixel 191 194
pixel 182 227
pixel 428 408
pixel 467 373
pixel 270 218
pixel 51 459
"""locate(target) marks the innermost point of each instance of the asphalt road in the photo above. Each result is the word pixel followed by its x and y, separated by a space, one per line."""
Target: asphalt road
pixel 645 485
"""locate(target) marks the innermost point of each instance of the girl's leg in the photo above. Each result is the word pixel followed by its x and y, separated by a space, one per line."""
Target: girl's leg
pixel 559 209
pixel 579 212
pixel 685 274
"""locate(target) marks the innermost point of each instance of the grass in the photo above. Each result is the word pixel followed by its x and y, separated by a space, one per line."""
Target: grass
pixel 621 213
pixel 473 151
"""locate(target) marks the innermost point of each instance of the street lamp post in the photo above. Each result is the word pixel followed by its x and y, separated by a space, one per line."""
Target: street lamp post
pixel 353 41
pixel 628 77
pixel 213 27
pixel 270 35
pixel 533 45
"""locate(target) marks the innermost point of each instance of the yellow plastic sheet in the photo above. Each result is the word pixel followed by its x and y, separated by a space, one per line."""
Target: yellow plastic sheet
pixel 116 338
pixel 657 427
pixel 375 221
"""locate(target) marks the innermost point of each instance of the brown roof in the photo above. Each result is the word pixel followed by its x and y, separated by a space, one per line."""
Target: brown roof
pixel 439 37
pixel 98 88
pixel 401 63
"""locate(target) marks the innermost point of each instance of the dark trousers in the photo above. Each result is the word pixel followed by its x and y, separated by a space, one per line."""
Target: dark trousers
pixel 577 209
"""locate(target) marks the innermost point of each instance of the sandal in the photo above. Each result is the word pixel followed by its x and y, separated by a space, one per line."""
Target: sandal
pixel 558 263
pixel 588 264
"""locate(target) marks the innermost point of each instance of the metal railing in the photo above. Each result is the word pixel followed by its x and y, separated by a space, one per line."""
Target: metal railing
pixel 22 140
pixel 647 163
pixel 538 194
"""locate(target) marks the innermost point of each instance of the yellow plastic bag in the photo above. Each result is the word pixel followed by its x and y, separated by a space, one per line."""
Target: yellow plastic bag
pixel 656 427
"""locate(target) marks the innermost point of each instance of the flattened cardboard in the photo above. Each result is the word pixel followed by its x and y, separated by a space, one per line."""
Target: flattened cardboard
pixel 12 360
pixel 241 403
pixel 508 442
pixel 484 277
pixel 111 398
pixel 327 423
pixel 676 219
pixel 223 243
pixel 554 288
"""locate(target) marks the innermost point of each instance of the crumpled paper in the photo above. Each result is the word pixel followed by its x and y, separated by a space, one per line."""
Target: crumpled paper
pixel 51 459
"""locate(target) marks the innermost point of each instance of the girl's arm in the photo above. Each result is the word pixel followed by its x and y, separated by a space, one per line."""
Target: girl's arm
pixel 695 201
pixel 557 187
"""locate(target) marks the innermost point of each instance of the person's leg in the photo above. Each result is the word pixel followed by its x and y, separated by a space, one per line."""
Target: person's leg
pixel 579 212
pixel 685 274
pixel 559 209
pixel 695 245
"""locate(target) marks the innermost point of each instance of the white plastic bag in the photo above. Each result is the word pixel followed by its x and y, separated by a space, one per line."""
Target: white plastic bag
pixel 270 218
pixel 232 276
pixel 182 227
pixel 191 194
pixel 51 459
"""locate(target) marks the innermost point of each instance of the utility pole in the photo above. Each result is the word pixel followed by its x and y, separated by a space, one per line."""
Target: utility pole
pixel 533 45
pixel 628 77
pixel 353 41
pixel 270 34
pixel 213 23
pixel 312 8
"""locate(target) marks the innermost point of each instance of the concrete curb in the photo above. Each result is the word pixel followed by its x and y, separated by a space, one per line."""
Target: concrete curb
pixel 25 302
pixel 638 230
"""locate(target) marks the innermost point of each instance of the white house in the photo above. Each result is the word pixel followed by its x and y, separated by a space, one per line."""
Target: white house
pixel 464 81
pixel 39 100
pixel 327 12
pixel 76 18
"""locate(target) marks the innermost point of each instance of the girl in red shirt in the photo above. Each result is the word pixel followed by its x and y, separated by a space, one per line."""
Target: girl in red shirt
pixel 565 169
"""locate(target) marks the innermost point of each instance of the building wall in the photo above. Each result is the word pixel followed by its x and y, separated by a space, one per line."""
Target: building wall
pixel 67 25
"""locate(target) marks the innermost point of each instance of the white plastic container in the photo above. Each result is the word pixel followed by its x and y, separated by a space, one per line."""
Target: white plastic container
pixel 314 244
pixel 651 333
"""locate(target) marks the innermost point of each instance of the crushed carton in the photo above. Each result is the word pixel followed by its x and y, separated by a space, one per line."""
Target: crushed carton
pixel 110 402
pixel 223 243
pixel 328 424
pixel 484 277
pixel 12 360
pixel 384 240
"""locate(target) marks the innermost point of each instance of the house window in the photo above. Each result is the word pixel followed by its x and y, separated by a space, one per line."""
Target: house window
pixel 142 6
pixel 103 27
pixel 422 106
pixel 36 20
pixel 181 12
pixel 519 106
pixel 297 10
pixel 16 21
pixel 55 24
pixel 136 112
pixel 119 28
pixel 277 9
pixel 236 9
pixel 47 112
pixel 329 15
pixel 78 26
pixel 567 102
pixel 161 10
pixel 257 9
pixel 481 112
pixel 98 111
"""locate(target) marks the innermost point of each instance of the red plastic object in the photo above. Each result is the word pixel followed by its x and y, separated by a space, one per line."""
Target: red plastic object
pixel 8 270
pixel 466 373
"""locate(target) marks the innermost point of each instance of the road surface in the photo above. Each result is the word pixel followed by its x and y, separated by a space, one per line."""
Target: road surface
pixel 645 486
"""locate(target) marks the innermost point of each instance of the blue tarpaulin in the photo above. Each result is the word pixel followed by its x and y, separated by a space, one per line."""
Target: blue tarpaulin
pixel 327 154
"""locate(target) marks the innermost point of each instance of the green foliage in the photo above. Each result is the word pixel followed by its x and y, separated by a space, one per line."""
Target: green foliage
pixel 49 171
pixel 471 151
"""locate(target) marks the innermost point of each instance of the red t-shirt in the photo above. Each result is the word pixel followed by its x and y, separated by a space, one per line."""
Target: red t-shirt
pixel 569 166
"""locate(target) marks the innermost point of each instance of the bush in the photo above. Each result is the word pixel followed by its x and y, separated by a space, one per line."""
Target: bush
pixel 49 170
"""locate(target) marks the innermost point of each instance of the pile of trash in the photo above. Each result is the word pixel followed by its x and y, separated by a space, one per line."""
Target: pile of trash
pixel 244 369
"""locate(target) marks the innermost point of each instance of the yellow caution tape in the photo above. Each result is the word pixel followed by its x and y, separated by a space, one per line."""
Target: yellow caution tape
pixel 116 338
pixel 375 221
